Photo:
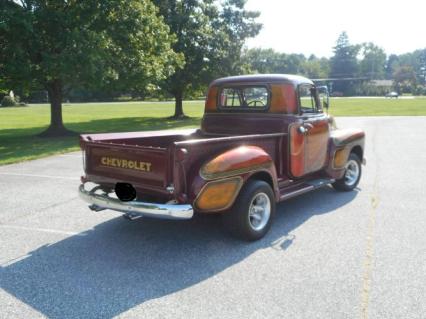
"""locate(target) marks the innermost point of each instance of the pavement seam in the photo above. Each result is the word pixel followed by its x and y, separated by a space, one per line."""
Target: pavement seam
pixel 45 230
pixel 369 250
pixel 42 176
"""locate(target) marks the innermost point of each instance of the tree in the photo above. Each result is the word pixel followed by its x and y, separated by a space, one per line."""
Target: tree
pixel 373 61
pixel 392 63
pixel 258 60
pixel 421 70
pixel 405 79
pixel 343 63
pixel 210 36
pixel 62 44
pixel 417 61
pixel 315 68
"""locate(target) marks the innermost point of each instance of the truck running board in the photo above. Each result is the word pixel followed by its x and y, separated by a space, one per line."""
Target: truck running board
pixel 304 187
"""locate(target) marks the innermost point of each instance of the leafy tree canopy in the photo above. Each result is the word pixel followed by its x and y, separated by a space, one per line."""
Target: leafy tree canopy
pixel 373 61
pixel 344 61
pixel 210 35
pixel 269 61
pixel 58 44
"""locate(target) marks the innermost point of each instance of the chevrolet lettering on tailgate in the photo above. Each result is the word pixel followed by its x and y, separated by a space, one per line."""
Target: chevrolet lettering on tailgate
pixel 124 163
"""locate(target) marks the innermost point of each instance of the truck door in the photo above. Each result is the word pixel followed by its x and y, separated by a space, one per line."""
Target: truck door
pixel 309 136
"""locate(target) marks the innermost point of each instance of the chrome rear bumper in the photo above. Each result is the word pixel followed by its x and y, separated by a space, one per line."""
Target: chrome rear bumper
pixel 135 209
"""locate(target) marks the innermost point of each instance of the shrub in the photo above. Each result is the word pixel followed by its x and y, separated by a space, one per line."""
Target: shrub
pixel 419 90
pixel 8 101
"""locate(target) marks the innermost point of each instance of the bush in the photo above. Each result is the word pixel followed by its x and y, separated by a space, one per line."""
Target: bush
pixel 419 90
pixel 8 101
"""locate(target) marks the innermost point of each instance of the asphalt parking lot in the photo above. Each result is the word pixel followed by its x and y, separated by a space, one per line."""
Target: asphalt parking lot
pixel 328 255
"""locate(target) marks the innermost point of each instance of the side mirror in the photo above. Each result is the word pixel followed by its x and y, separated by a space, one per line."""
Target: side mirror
pixel 326 102
pixel 324 96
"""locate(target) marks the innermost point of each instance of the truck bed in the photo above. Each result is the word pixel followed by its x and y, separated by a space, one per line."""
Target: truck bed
pixel 148 160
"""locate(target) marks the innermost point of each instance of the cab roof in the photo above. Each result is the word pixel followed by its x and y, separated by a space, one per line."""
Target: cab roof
pixel 262 78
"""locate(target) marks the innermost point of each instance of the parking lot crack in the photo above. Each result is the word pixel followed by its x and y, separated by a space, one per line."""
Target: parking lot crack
pixel 370 238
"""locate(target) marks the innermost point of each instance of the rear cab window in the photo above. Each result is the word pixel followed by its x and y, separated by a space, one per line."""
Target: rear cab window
pixel 244 98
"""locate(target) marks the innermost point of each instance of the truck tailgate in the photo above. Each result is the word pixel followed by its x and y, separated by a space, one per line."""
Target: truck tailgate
pixel 145 167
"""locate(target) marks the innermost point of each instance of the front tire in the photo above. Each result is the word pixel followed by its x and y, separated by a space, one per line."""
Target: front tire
pixel 251 216
pixel 352 174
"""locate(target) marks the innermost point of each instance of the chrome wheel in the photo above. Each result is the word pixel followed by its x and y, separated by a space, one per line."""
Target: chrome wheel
pixel 352 172
pixel 259 211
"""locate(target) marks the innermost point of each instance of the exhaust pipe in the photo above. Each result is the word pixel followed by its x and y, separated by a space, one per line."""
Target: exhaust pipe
pixel 96 208
pixel 132 217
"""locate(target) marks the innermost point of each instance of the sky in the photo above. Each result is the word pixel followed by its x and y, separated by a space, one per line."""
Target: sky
pixel 312 27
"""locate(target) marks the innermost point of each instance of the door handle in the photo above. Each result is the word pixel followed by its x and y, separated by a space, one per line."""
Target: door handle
pixel 304 129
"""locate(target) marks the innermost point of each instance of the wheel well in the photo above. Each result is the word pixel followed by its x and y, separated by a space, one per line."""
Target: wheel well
pixel 357 150
pixel 263 176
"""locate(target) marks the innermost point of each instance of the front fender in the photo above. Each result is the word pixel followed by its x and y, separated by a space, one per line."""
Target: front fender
pixel 343 137
pixel 342 143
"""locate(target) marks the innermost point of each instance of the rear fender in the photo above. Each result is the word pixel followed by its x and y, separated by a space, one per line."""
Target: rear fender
pixel 233 166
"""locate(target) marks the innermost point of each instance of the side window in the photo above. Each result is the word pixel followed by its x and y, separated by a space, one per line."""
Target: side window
pixel 308 99
pixel 230 98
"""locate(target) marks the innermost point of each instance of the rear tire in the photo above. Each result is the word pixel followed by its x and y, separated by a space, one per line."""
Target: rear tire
pixel 352 175
pixel 251 216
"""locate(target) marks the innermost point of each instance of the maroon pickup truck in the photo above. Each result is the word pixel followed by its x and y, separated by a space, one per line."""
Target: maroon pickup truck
pixel 263 139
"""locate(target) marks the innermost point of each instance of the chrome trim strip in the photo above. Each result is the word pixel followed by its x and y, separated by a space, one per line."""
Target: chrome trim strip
pixel 103 201
pixel 297 192
pixel 233 172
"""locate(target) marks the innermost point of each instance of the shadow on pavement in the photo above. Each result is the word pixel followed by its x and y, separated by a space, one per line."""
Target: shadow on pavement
pixel 120 264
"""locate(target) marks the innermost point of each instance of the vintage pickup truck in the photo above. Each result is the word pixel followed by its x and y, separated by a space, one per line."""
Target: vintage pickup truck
pixel 263 139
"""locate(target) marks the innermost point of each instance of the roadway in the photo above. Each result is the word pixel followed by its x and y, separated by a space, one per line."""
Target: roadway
pixel 328 255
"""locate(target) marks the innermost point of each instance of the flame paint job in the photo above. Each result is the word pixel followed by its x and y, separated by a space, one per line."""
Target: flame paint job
pixel 297 151
pixel 283 99
pixel 308 152
pixel 316 146
pixel 236 161
pixel 218 195
pixel 211 101
pixel 345 136
pixel 341 144
pixel 340 158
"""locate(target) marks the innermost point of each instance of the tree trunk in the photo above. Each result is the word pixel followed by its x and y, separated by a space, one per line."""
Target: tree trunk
pixel 178 106
pixel 56 127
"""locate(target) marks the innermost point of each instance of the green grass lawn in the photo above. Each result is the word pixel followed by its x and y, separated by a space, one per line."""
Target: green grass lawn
pixel 19 126
pixel 378 106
